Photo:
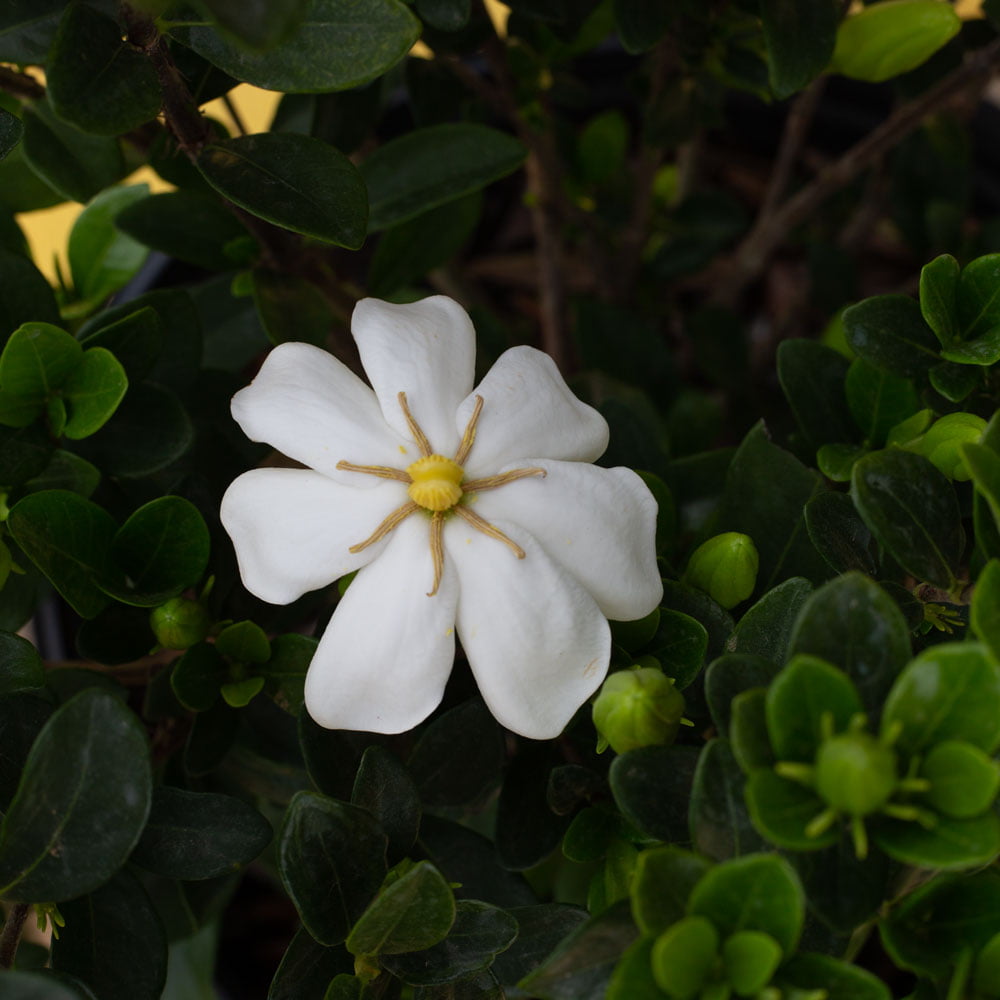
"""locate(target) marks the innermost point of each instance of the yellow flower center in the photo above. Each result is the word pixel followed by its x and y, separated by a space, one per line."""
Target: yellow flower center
pixel 436 482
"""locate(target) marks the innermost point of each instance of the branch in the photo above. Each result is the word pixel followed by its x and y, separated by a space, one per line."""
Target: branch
pixel 10 936
pixel 751 257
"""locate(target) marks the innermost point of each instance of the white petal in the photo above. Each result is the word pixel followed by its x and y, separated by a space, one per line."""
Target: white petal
pixel 529 410
pixel 292 528
pixel 536 640
pixel 313 408
pixel 426 349
pixel 384 659
pixel 598 524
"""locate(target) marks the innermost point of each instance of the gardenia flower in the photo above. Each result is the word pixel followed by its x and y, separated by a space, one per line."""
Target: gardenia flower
pixel 463 509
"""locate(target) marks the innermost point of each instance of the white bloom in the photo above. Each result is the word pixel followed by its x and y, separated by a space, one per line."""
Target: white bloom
pixel 463 509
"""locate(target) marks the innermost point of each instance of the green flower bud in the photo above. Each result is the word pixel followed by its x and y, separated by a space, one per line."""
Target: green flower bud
pixel 725 567
pixel 179 623
pixel 638 708
pixel 855 773
pixel 941 443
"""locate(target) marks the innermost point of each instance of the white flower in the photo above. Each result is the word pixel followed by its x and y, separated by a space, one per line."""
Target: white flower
pixel 463 509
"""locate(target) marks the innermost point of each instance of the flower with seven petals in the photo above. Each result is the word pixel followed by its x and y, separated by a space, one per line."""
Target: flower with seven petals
pixel 463 509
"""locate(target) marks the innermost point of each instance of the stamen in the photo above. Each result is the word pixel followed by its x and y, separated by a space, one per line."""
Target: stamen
pixel 469 437
pixel 399 515
pixel 418 435
pixel 437 549
pixel 492 482
pixel 382 471
pixel 487 529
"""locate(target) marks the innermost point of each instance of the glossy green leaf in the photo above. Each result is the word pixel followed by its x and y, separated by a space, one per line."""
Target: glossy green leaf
pixel 331 857
pixel 199 835
pixel 750 959
pixel 885 40
pixel 985 611
pixel 799 698
pixel 239 693
pixel 69 540
pixel 978 297
pixel 590 834
pixel 432 166
pixel 479 933
pixel 114 942
pixel 335 45
pixel 244 642
pixel 260 25
pixel 951 844
pixel 839 980
pixel 812 378
pixel 731 675
pixel 684 956
pixel 890 332
pixel 782 811
pixel 964 780
pixel 11 131
pixel 717 814
pixel 680 645
pixel 82 803
pixel 854 624
pixel 541 928
pixel 66 471
pixel 20 665
pixel 664 878
pixel 102 259
pixel 765 629
pixel 410 914
pixel 669 769
pixel 294 181
pixel 948 692
pixel 285 671
pixel 25 294
pixel 189 225
pixel 307 968
pixel 748 737
pixel 133 335
pixel 93 390
pixel 633 975
pixel 800 40
pixel 939 297
pixel 878 400
pixel 697 604
pixel 96 80
pixel 839 534
pixel 291 308
pixel 197 677
pixel 384 787
pixel 22 716
pixel 912 510
pixel 954 382
pixel 160 550
pixel 37 359
pixel 984 465
pixel 759 892
pixel 983 351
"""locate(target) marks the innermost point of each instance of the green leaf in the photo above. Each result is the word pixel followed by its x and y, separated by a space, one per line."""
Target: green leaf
pixel 939 297
pixel 633 975
pixel 670 769
pixel 854 624
pixel 384 787
pixel 37 359
pixel 114 942
pixel 978 297
pixel 258 25
pixel 883 41
pixel 69 540
pixel 285 671
pixel 838 980
pixel 197 677
pixel 82 803
pixel 985 611
pixel 964 781
pixel 797 701
pixel 911 508
pixel 590 834
pixel 11 130
pixel 307 968
pixel 294 181
pixel 717 815
pixel 75 164
pixel 759 892
pixel 133 335
pixel 239 694
pixel 25 294
pixel 66 471
pixel 948 692
pixel 680 645
pixel 94 390
pixel 102 259
pixel 331 857
pixel 20 664
pixel 949 845
pixel 291 308
pixel 410 914
pixel 431 166
pixel 160 550
pixel 336 45
pixel 984 465
pixel 766 628
pixel 244 642
pixel 800 40
pixel 782 811
pixel 889 331
pixel 541 928
pixel 95 79
pixel 878 400
pixel 22 716
pixel 664 878
pixel 684 956
pixel 748 730
pixel 987 970
pixel 199 835
pixel 640 24
pixel 189 225
pixel 730 675
pixel 954 382
pixel 750 959
pixel 839 534
pixel 983 351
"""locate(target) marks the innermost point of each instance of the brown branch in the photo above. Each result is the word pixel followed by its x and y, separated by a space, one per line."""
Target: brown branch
pixel 20 85
pixel 10 936
pixel 751 257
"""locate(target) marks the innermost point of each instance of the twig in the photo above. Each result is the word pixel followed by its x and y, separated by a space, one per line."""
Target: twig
pixel 234 113
pixel 10 936
pixel 750 258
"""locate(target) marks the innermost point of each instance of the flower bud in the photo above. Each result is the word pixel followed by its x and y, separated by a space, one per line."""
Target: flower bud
pixel 855 773
pixel 638 708
pixel 725 567
pixel 179 623
pixel 942 442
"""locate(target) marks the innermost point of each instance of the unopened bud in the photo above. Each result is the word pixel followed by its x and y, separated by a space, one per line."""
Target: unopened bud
pixel 855 773
pixel 638 708
pixel 179 623
pixel 725 567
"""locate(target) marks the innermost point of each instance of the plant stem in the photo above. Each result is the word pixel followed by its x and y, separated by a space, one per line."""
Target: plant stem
pixel 10 936
pixel 20 85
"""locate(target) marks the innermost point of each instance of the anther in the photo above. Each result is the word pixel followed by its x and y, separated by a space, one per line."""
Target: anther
pixel 399 515
pixel 487 529
pixel 418 435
